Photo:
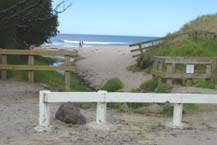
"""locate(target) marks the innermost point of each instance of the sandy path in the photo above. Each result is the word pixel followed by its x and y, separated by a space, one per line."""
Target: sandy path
pixel 19 115
pixel 99 64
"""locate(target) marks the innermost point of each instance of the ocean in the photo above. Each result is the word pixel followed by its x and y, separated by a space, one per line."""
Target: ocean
pixel 72 40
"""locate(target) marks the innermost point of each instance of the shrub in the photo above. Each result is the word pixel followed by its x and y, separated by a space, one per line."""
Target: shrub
pixel 113 85
pixel 134 68
pixel 162 89
pixel 149 86
pixel 204 84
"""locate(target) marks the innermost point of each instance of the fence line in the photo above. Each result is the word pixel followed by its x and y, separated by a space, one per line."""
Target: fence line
pixel 188 71
pixel 103 97
pixel 155 42
pixel 30 67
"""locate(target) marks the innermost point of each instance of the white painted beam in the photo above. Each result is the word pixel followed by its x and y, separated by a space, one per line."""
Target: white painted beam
pixel 103 97
pixel 62 97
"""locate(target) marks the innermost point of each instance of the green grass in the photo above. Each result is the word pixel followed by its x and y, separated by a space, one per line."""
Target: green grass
pixel 52 79
pixel 149 86
pixel 162 89
pixel 152 86
pixel 201 83
pixel 203 23
pixel 113 85
pixel 134 68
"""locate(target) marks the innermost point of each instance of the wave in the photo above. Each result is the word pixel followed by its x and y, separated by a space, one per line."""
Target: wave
pixel 95 42
pixel 70 41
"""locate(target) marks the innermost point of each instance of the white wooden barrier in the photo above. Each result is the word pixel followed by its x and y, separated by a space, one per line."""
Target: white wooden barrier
pixel 103 97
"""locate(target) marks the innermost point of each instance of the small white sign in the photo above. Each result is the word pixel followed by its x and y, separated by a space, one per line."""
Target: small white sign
pixel 190 68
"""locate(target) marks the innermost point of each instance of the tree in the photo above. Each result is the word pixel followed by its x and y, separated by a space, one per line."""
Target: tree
pixel 27 22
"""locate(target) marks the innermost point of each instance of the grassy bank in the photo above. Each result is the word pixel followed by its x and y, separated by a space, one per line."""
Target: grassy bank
pixel 52 79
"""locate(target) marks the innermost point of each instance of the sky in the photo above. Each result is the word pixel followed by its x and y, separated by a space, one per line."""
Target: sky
pixel 131 17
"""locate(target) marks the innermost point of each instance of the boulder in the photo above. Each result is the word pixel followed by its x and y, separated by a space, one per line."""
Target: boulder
pixel 124 107
pixel 70 113
pixel 154 108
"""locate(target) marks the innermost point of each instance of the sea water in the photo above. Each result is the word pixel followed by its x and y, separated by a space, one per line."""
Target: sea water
pixel 73 40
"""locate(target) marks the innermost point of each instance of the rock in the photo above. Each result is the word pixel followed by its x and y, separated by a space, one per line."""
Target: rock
pixel 70 113
pixel 154 108
pixel 211 125
pixel 124 107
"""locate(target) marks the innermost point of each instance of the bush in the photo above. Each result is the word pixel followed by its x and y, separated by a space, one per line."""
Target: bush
pixel 149 86
pixel 134 68
pixel 204 84
pixel 113 85
pixel 162 89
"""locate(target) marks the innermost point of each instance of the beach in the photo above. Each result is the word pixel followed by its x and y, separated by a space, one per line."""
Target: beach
pixel 99 64
pixel 20 109
pixel 19 115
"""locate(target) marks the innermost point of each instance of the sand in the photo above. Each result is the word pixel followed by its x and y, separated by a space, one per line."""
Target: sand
pixel 19 111
pixel 99 64
pixel 19 116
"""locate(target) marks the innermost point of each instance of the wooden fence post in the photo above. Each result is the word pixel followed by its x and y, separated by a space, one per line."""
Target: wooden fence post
pixel 214 70
pixel 160 70
pixel 30 72
pixel 170 69
pixel 67 74
pixel 184 79
pixel 208 69
pixel 4 62
pixel 141 55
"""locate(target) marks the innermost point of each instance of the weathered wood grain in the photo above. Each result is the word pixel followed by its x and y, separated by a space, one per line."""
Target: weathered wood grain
pixel 38 52
pixel 36 67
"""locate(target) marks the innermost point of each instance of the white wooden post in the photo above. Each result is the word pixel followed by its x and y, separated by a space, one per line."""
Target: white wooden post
pixel 44 113
pixel 101 109
pixel 177 116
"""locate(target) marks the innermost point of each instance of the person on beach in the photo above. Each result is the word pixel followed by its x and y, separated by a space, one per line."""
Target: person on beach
pixel 81 43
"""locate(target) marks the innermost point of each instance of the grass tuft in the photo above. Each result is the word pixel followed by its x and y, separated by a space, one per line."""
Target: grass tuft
pixel 134 68
pixel 113 85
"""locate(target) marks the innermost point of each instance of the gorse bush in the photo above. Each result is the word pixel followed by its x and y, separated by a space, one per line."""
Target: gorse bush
pixel 113 85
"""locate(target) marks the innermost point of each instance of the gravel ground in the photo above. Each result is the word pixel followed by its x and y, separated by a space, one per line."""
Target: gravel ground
pixel 19 116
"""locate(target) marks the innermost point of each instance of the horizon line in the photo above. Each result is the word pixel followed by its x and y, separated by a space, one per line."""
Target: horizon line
pixel 109 35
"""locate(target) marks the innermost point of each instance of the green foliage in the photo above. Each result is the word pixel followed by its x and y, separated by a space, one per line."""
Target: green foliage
pixel 186 48
pixel 204 84
pixel 26 22
pixel 177 46
pixel 53 79
pixel 152 86
pixel 134 68
pixel 113 85
pixel 203 23
pixel 149 86
pixel 162 89
pixel 190 108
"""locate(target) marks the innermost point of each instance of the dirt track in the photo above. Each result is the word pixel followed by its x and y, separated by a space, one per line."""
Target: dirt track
pixel 19 116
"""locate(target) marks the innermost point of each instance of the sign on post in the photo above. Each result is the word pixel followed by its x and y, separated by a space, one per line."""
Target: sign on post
pixel 190 68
